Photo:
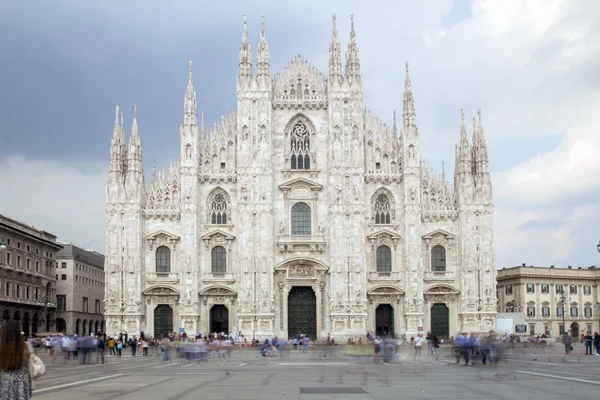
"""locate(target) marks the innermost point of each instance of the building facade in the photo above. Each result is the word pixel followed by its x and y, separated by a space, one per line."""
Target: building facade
pixel 27 276
pixel 537 292
pixel 79 291
pixel 299 211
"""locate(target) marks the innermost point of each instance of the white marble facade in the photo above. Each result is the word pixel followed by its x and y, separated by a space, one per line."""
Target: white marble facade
pixel 299 186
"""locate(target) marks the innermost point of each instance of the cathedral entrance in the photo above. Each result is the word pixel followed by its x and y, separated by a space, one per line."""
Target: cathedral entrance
pixel 384 320
pixel 302 312
pixel 163 321
pixel 219 319
pixel 440 320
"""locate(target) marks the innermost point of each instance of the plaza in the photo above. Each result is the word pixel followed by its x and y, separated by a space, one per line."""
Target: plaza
pixel 531 374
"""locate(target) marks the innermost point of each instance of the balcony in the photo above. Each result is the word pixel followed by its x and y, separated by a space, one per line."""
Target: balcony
pixel 439 276
pixel 26 302
pixel 311 243
pixel 163 277
pixel 381 277
pixel 23 270
pixel 218 278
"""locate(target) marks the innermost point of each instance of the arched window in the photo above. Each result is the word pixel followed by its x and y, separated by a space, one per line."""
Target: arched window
pixel 384 259
pixel 438 259
pixel 163 260
pixel 300 147
pixel 382 209
pixel 219 260
pixel 218 209
pixel 301 219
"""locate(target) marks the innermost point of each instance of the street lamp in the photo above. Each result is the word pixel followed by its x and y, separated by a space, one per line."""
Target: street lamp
pixel 598 246
pixel 3 244
pixel 254 328
pixel 46 304
pixel 562 299
pixel 597 309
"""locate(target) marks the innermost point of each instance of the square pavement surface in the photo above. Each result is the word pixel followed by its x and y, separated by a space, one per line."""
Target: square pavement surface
pixel 531 374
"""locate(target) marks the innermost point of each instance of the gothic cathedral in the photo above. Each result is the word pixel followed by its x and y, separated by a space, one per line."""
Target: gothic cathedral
pixel 299 211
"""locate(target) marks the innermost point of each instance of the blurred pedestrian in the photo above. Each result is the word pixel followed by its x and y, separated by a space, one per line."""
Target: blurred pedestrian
pixel 15 382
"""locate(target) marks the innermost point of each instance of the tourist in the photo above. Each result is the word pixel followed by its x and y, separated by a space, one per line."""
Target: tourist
pixel 418 345
pixel 15 382
pixel 568 342
pixel 588 339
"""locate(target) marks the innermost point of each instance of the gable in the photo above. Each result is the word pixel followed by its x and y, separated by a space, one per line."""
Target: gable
pixel 300 182
pixel 437 232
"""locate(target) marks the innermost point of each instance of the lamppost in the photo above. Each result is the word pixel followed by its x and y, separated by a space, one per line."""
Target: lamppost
pixel 3 244
pixel 598 246
pixel 46 303
pixel 254 328
pixel 597 309
pixel 562 299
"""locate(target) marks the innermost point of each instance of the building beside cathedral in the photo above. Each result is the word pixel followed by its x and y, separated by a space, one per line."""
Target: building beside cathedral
pixel 299 211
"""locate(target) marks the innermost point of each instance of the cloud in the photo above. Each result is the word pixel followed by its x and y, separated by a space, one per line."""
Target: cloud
pixel 531 65
pixel 67 200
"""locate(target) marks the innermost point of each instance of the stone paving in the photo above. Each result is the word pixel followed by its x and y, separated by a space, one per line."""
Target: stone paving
pixel 246 375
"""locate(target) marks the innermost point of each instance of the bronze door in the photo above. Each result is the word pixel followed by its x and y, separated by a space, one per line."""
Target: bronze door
pixel 302 312
pixel 440 320
pixel 384 320
pixel 163 321
pixel 219 319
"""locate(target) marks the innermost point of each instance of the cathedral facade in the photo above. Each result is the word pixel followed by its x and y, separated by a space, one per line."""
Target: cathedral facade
pixel 299 211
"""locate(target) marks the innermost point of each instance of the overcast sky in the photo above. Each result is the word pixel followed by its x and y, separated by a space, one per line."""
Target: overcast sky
pixel 532 66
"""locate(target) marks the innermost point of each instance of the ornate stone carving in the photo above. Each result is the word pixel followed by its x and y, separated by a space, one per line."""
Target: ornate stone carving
pixel 300 270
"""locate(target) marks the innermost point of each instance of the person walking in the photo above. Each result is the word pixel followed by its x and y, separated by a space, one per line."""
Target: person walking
pixel 587 340
pixel 100 345
pixel 418 346
pixel 568 342
pixel 597 343
pixel 435 345
pixel 15 382
pixel 111 346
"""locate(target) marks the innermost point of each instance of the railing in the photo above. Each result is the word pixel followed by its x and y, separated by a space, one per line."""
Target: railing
pixel 223 278
pixel 439 275
pixel 384 276
pixel 172 277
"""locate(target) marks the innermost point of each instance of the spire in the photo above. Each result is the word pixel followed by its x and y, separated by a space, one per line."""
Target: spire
pixel 123 143
pixel 443 173
pixel 116 129
pixel 352 59
pixel 153 170
pixel 245 53
pixel 202 122
pixel 134 152
pixel 394 126
pixel 116 147
pixel 335 59
pixel 189 103
pixel 482 156
pixel 263 50
pixel 463 151
pixel 408 106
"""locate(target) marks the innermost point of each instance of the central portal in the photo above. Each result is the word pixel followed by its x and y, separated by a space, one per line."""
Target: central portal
pixel 219 319
pixel 384 320
pixel 302 312
pixel 440 320
pixel 163 321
